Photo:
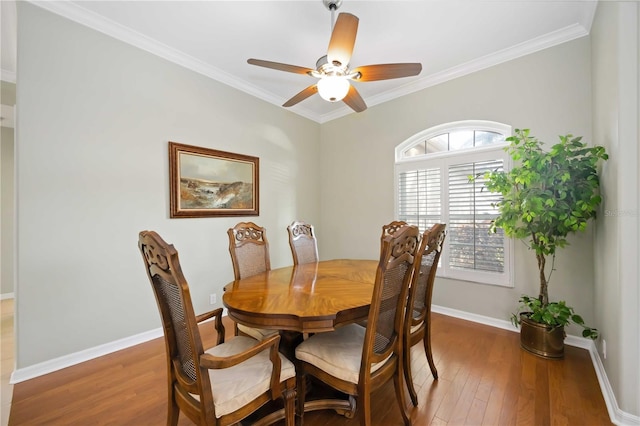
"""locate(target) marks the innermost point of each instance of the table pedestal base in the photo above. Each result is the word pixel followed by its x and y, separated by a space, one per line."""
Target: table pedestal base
pixel 288 342
pixel 344 407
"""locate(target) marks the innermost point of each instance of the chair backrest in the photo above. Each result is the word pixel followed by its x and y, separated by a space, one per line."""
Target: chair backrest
pixel 391 228
pixel 249 249
pixel 183 343
pixel 393 277
pixel 421 289
pixel 302 239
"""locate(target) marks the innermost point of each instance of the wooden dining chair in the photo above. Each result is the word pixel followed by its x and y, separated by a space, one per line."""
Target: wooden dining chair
pixel 418 316
pixel 303 243
pixel 225 383
pixel 357 360
pixel 391 228
pixel 249 249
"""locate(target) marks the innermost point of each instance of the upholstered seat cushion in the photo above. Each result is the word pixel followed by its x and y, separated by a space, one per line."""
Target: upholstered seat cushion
pixel 257 333
pixel 338 352
pixel 234 387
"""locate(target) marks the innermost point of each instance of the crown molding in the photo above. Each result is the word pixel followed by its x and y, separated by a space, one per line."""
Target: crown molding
pixel 537 44
pixel 505 55
pixel 111 28
pixel 589 14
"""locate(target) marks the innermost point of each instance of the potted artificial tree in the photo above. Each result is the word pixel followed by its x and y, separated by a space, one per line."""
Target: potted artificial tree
pixel 547 195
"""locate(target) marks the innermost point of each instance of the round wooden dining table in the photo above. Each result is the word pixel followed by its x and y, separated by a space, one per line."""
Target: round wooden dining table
pixel 306 298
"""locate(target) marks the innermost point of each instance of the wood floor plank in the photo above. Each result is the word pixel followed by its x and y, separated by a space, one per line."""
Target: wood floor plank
pixel 513 365
pixel 430 397
pixel 572 398
pixel 475 415
pixel 485 378
pixel 497 377
pixel 542 412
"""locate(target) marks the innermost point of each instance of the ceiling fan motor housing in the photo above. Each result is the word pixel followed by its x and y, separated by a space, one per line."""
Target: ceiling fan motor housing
pixel 333 70
pixel 325 68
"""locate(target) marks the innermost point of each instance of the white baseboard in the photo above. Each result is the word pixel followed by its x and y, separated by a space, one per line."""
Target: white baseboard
pixel 570 340
pixel 22 374
pixel 481 319
pixel 4 296
pixel 616 415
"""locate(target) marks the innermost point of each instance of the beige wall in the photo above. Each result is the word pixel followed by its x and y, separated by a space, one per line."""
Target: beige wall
pixel 615 110
pixel 95 116
pixel 547 92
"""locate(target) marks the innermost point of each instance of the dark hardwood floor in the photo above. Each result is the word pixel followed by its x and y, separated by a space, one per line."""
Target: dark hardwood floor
pixel 484 379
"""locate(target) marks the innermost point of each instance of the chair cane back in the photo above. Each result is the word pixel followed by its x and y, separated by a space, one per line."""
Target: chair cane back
pixel 303 243
pixel 418 316
pixel 225 383
pixel 357 360
pixel 249 249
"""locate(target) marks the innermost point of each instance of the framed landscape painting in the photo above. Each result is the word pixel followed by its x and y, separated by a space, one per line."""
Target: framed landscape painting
pixel 206 182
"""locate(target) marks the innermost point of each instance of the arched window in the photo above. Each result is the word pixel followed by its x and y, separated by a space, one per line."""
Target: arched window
pixel 432 171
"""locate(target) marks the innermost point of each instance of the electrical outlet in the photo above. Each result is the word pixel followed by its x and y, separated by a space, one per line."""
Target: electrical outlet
pixel 604 349
pixel 213 299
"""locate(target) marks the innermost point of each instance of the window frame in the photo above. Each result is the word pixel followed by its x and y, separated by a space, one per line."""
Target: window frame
pixel 443 161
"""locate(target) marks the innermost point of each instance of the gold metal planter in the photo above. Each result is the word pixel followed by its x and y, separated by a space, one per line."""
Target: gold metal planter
pixel 541 339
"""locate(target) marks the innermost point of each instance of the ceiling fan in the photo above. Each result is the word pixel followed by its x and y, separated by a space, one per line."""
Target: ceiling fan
pixel 333 70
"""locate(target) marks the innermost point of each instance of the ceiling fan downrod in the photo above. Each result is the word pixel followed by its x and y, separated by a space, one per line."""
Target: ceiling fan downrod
pixel 332 5
pixel 332 70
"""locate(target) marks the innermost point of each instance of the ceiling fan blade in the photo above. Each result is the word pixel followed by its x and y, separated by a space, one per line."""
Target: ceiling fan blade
pixel 354 100
pixel 343 38
pixel 304 94
pixel 387 71
pixel 279 66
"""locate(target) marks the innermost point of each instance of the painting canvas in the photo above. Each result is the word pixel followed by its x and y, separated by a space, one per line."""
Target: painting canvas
pixel 206 182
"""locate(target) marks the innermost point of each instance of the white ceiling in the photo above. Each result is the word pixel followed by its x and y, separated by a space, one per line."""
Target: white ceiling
pixel 215 38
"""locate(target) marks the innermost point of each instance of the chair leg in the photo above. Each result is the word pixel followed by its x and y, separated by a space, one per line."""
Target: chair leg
pixel 397 381
pixel 364 407
pixel 289 396
pixel 408 376
pixel 427 350
pixel 173 411
pixel 301 391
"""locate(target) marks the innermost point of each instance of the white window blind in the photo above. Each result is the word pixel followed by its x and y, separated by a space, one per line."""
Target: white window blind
pixel 434 187
pixel 420 197
pixel 470 216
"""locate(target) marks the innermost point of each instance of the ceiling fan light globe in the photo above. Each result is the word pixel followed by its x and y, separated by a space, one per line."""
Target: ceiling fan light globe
pixel 333 88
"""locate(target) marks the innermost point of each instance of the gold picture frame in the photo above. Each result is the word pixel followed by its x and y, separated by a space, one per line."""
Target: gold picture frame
pixel 206 182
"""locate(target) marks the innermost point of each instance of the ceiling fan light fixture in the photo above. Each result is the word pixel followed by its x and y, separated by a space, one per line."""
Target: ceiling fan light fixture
pixel 332 70
pixel 333 88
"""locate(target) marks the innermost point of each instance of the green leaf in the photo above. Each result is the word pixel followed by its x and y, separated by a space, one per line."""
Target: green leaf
pixel 577 319
pixel 550 192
